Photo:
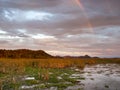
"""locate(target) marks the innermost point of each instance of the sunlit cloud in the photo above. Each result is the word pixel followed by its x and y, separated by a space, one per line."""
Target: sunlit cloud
pixel 3 32
pixel 42 36
pixel 21 16
pixel 38 15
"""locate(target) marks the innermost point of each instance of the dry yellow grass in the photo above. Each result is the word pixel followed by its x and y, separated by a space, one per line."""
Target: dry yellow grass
pixel 18 65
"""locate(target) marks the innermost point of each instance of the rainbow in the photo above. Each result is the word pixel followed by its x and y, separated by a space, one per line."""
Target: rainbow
pixel 78 2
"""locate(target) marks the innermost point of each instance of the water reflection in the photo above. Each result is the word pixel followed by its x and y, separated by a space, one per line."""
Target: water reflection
pixel 102 77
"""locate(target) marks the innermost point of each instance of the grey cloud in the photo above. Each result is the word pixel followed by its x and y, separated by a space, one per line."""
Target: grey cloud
pixel 68 26
pixel 28 4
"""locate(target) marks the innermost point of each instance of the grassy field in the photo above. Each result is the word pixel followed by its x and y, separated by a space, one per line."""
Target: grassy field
pixel 43 73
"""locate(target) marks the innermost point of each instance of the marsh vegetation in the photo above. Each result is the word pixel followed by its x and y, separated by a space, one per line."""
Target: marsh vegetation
pixel 48 74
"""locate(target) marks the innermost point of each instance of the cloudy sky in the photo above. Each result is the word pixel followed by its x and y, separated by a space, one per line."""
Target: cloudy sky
pixel 61 27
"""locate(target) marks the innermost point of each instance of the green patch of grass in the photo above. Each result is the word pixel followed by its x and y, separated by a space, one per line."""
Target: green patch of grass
pixel 72 80
pixel 80 89
pixel 82 78
pixel 2 75
pixel 59 72
pixel 53 80
pixel 9 86
pixel 42 86
pixel 31 71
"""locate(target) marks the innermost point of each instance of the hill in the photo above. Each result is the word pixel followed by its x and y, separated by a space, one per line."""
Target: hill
pixel 24 53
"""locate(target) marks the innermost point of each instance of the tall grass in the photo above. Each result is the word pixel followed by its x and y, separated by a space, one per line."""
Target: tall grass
pixel 17 66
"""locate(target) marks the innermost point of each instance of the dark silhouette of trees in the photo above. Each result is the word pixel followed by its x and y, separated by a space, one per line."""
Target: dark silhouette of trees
pixel 24 53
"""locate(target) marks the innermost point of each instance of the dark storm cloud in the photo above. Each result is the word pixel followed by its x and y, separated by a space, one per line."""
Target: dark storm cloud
pixel 63 24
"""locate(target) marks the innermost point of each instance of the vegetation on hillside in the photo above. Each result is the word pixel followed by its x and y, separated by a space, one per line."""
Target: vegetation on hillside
pixel 23 53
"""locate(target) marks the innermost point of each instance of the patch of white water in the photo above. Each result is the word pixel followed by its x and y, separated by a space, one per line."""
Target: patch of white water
pixel 102 77
pixel 29 78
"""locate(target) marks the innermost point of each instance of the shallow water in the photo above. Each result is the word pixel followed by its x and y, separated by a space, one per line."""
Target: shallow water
pixel 96 77
pixel 101 77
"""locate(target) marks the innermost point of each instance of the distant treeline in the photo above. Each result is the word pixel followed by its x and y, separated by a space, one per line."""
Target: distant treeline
pixel 33 54
pixel 24 53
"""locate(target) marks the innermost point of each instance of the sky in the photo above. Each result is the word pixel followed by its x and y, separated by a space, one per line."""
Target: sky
pixel 61 27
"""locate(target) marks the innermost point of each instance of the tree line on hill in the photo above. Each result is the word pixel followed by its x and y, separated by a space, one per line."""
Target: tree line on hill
pixel 24 53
